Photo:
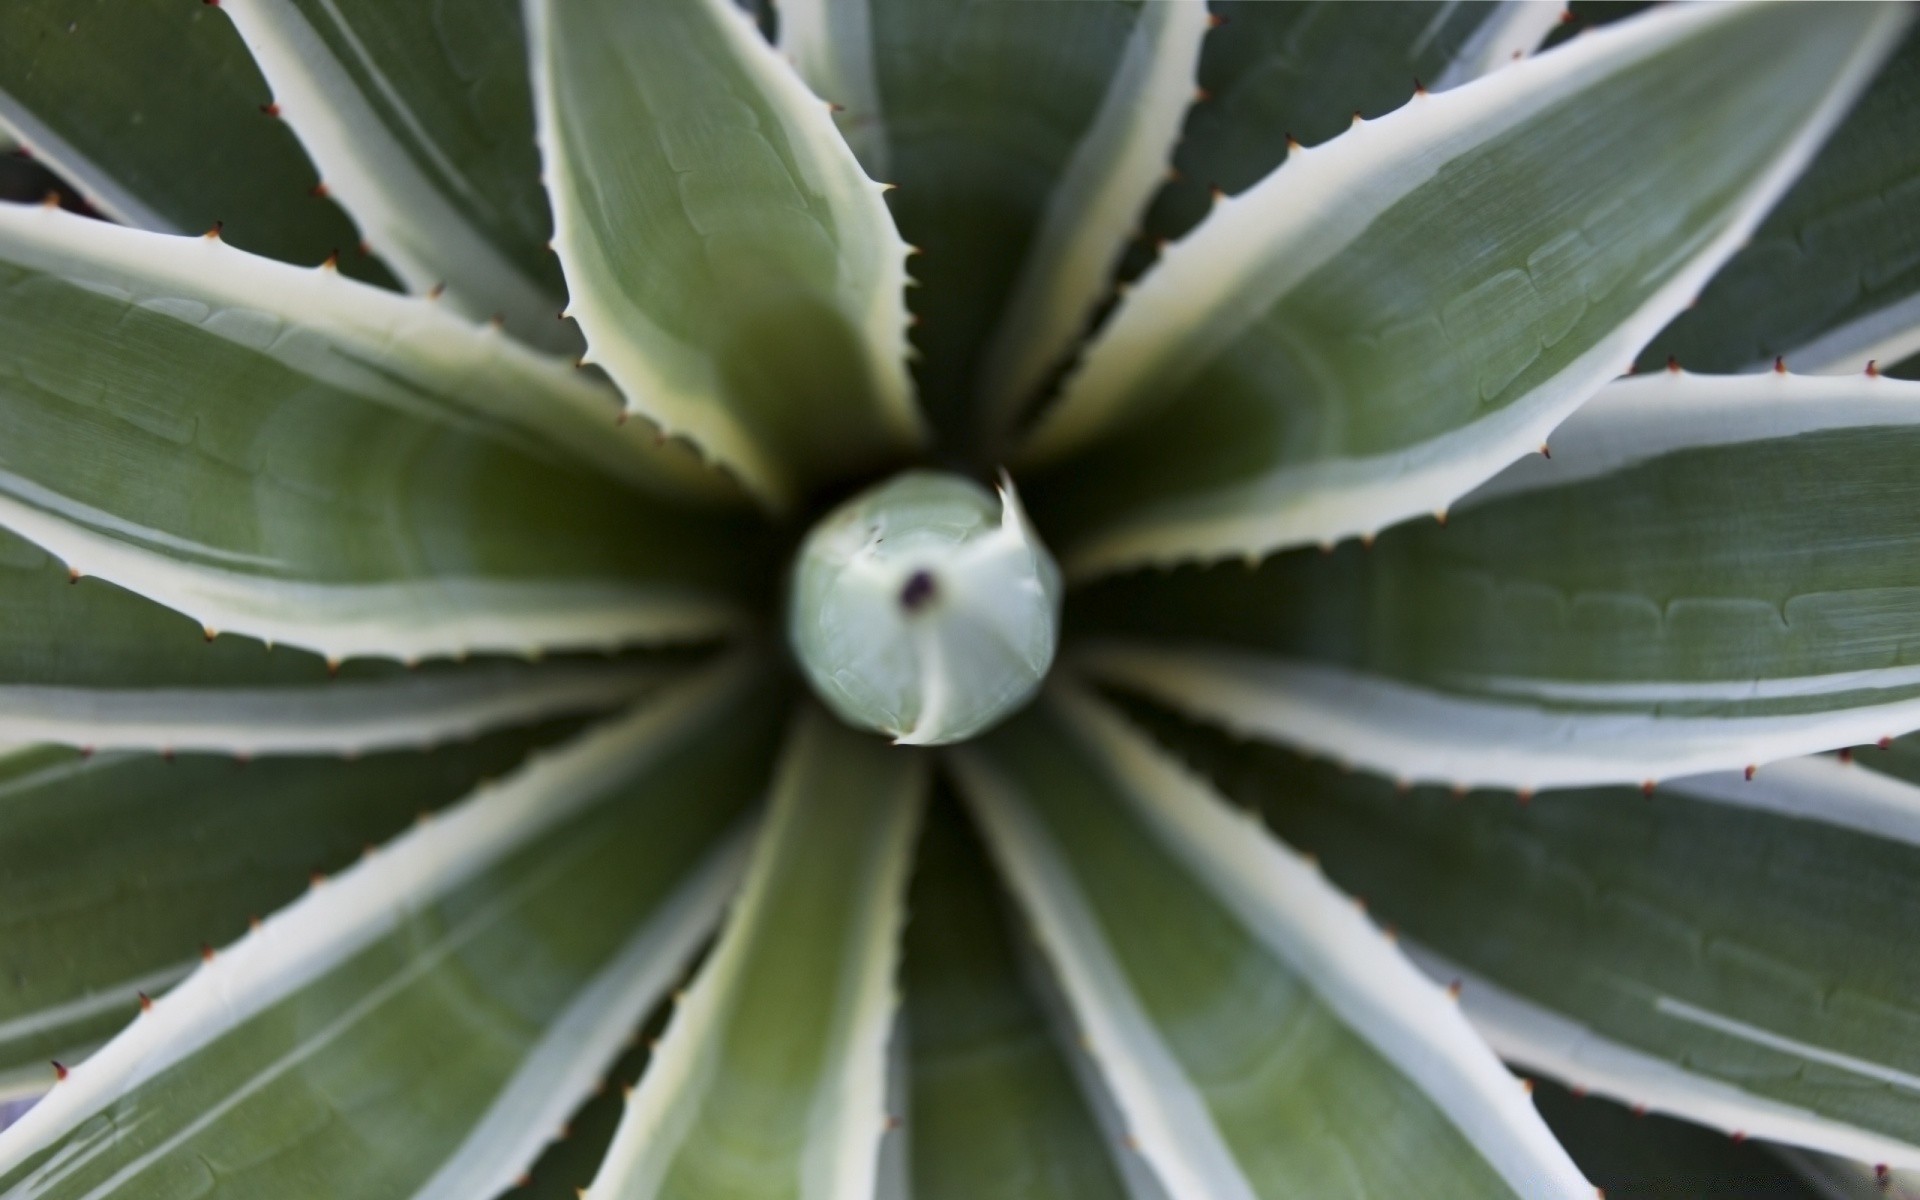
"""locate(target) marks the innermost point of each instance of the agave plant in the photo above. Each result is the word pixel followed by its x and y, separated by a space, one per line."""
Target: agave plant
pixel 426 716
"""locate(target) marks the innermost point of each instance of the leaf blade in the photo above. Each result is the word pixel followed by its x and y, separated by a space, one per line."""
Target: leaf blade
pixel 768 323
pixel 1389 413
pixel 771 1078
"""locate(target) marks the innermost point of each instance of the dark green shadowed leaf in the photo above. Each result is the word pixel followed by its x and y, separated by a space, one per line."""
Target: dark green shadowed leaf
pixel 771 1079
pixel 153 109
pixel 1708 573
pixel 423 1023
pixel 1640 1156
pixel 421 120
pixel 1274 70
pixel 1715 951
pixel 116 870
pixel 1260 1037
pixel 292 455
pixel 993 1109
pixel 976 111
pixel 1832 278
pixel 1391 317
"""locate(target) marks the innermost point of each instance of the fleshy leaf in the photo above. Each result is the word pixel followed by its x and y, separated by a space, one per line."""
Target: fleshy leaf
pixel 85 663
pixel 421 121
pixel 734 270
pixel 154 112
pixel 1025 139
pixel 1708 573
pixel 115 869
pixel 288 454
pixel 771 1078
pixel 1259 1035
pixel 421 1024
pixel 1831 280
pixel 1730 951
pixel 1272 72
pixel 1389 318
pixel 993 1106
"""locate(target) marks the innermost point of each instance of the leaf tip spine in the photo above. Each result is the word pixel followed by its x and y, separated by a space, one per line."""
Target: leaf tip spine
pixel 60 1071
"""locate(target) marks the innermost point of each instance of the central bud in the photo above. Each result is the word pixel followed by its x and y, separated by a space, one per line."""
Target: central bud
pixel 925 608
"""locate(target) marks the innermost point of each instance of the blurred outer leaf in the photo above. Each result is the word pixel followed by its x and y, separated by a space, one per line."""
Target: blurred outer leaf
pixel 1832 278
pixel 1260 1037
pixel 993 1110
pixel 291 455
pixel 1708 573
pixel 1303 70
pixel 1002 123
pixel 420 118
pixel 770 1080
pixel 422 1024
pixel 116 869
pixel 1638 1156
pixel 732 267
pixel 84 663
pixel 1284 377
pixel 1697 953
pixel 153 111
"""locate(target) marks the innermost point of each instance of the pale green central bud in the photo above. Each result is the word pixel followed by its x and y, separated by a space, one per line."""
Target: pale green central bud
pixel 925 608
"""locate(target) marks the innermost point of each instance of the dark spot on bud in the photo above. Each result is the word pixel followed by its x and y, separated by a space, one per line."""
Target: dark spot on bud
pixel 918 591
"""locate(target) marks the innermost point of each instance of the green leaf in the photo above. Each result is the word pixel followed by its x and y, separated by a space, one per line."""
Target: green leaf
pixel 993 1109
pixel 1026 140
pixel 422 1024
pixel 1271 72
pixel 1260 1036
pixel 1388 319
pixel 84 663
pixel 116 869
pixel 733 269
pixel 421 120
pixel 288 454
pixel 154 112
pixel 770 1080
pixel 1708 573
pixel 1729 951
pixel 1832 278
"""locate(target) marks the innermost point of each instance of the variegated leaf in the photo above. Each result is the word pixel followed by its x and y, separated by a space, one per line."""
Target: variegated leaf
pixel 289 454
pixel 421 121
pixel 734 270
pixel 157 114
pixel 1389 318
pixel 423 1023
pixel 771 1078
pixel 1259 1035
pixel 1708 573
pixel 1732 951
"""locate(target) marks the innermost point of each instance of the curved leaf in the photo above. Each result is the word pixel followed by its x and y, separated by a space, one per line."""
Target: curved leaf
pixel 84 663
pixel 1390 318
pixel 1832 278
pixel 288 454
pixel 1706 574
pixel 770 1079
pixel 154 112
pixel 116 869
pixel 731 266
pixel 1728 951
pixel 993 1108
pixel 1259 1035
pixel 421 120
pixel 422 1024
pixel 1274 72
